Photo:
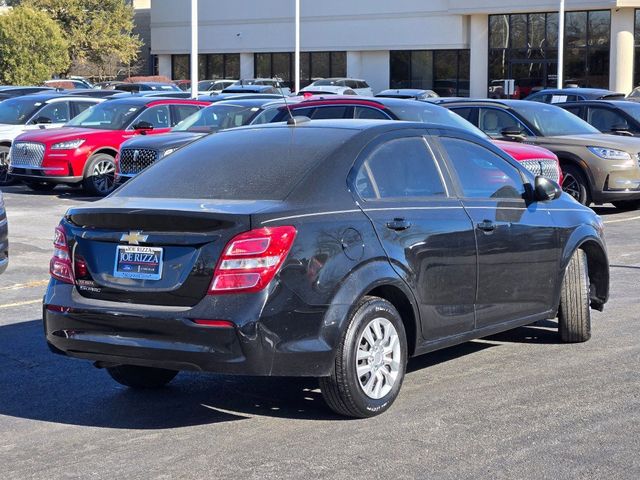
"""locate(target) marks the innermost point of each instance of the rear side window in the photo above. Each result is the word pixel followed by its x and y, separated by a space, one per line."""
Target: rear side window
pixel 323 113
pixel 492 121
pixel 399 169
pixel 370 113
pixel 482 173
pixel 257 164
pixel 156 116
pixel 82 106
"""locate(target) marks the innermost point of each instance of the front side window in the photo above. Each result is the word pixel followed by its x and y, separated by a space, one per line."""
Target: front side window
pixel 53 113
pixel 106 116
pixel 182 112
pixel 481 173
pixel 156 116
pixel 492 121
pixel 400 169
pixel 605 119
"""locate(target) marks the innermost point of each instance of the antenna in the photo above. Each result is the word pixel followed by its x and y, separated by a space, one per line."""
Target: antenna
pixel 292 120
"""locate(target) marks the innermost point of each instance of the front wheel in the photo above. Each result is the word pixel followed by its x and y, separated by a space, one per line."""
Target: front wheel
pixel 575 184
pixel 5 178
pixel 141 377
pixel 574 316
pixel 370 361
pixel 100 177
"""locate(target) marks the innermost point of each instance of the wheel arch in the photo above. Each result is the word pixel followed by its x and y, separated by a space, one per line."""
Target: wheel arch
pixel 597 264
pixel 111 151
pixel 568 158
pixel 387 285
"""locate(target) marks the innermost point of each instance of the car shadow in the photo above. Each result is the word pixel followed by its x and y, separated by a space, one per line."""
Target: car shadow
pixel 62 192
pixel 609 209
pixel 39 385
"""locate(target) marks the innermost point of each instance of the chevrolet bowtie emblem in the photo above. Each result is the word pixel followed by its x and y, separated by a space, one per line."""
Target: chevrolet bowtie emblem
pixel 134 238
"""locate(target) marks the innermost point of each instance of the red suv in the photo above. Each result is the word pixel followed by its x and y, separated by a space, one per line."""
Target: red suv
pixel 84 150
pixel 538 160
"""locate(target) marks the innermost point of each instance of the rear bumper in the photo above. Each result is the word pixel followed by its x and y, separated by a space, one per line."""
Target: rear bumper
pixel 167 338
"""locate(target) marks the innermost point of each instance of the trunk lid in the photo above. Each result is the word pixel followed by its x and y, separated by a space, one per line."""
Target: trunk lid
pixel 185 238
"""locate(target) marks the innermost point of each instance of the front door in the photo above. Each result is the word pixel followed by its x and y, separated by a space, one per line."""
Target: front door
pixel 425 231
pixel 517 242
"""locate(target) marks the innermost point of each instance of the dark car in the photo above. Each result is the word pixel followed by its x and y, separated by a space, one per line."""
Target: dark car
pixel 619 117
pixel 598 168
pixel 152 93
pixel 555 95
pixel 237 96
pixel 330 249
pixel 91 92
pixel 12 92
pixel 148 86
pixel 140 152
pixel 4 237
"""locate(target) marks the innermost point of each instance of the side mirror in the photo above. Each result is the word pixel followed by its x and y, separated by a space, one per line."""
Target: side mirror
pixel 513 133
pixel 621 129
pixel 142 125
pixel 42 120
pixel 546 189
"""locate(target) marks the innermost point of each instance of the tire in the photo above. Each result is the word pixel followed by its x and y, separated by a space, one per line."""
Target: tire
pixel 574 316
pixel 575 184
pixel 100 175
pixel 5 178
pixel 344 390
pixel 627 204
pixel 40 186
pixel 141 377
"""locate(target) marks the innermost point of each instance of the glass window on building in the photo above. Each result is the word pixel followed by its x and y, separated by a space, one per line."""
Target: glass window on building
pixel 524 47
pixel 211 66
pixel 313 66
pixel 444 71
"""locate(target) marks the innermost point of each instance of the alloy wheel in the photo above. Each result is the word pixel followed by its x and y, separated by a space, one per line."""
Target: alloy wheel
pixel 4 166
pixel 378 358
pixel 104 176
pixel 571 186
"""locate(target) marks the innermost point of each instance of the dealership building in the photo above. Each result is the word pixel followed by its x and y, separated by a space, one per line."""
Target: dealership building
pixel 456 47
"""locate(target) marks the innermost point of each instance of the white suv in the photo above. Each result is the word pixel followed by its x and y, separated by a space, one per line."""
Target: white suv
pixel 361 87
pixel 32 112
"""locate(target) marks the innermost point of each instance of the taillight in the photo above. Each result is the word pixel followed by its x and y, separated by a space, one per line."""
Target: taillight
pixel 60 265
pixel 251 260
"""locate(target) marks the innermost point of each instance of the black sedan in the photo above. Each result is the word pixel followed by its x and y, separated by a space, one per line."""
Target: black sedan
pixel 555 95
pixel 139 152
pixel 330 249
pixel 4 237
pixel 618 117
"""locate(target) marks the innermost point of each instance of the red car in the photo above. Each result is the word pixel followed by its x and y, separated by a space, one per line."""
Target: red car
pixel 84 150
pixel 538 160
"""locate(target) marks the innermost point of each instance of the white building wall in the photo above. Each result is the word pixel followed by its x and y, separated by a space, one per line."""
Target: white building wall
pixel 371 66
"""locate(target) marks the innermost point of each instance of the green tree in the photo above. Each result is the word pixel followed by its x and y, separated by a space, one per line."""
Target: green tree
pixel 32 47
pixel 97 31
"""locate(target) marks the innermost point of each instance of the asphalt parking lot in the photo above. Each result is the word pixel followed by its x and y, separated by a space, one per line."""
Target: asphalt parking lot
pixel 515 405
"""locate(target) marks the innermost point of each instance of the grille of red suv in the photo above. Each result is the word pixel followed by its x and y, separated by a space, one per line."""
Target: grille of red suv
pixel 26 154
pixel 546 168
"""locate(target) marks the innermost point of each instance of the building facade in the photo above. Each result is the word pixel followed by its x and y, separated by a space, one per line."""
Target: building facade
pixel 456 47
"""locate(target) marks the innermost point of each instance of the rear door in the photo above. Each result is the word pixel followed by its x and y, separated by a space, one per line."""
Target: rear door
pixel 425 231
pixel 517 241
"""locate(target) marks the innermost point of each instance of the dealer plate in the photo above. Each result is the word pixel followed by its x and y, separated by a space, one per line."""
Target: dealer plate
pixel 142 263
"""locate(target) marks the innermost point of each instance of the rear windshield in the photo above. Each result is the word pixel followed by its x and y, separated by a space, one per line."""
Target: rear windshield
pixel 256 164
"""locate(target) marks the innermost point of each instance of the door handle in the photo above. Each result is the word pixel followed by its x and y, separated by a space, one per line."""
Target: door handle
pixel 487 226
pixel 398 224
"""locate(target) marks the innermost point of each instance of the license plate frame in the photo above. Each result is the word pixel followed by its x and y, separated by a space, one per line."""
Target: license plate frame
pixel 143 263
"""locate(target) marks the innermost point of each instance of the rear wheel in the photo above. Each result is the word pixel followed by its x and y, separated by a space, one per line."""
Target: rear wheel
pixel 41 186
pixel 574 316
pixel 100 177
pixel 627 204
pixel 575 184
pixel 5 178
pixel 370 361
pixel 141 377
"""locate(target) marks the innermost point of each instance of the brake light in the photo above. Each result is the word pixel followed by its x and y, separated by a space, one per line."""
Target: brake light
pixel 60 265
pixel 251 260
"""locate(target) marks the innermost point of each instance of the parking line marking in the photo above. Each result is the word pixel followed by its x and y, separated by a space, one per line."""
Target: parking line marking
pixel 20 304
pixel 622 220
pixel 18 286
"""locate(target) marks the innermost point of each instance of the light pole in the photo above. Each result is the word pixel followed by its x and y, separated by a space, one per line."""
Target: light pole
pixel 561 45
pixel 194 48
pixel 297 48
